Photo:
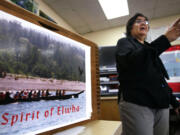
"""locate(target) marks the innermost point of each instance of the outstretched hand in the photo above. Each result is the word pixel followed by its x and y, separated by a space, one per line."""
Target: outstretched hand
pixel 177 110
pixel 174 31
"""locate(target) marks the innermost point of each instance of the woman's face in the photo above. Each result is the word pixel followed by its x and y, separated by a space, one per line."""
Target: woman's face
pixel 140 28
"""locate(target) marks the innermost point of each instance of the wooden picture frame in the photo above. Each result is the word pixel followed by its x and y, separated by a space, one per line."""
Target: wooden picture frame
pixel 14 10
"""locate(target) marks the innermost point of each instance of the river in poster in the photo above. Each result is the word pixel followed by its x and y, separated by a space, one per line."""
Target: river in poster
pixel 45 80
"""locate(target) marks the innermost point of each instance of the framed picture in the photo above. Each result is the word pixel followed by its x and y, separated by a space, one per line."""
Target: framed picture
pixel 29 5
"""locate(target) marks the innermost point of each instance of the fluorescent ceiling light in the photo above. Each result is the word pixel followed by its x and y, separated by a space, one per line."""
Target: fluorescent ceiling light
pixel 114 8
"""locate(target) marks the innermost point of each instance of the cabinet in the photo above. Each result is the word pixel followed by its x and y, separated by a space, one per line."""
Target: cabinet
pixel 109 83
pixel 110 108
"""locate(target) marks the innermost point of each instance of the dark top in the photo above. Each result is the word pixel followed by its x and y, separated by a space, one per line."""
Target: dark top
pixel 142 74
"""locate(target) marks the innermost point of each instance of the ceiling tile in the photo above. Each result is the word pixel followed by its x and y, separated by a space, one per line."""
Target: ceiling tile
pixel 141 5
pixel 58 5
pixel 164 10
pixel 161 3
pixel 118 21
pixel 72 18
pixel 99 25
pixel 91 16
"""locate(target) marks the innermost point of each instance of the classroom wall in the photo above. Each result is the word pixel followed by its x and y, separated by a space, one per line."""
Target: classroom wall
pixel 110 36
pixel 51 13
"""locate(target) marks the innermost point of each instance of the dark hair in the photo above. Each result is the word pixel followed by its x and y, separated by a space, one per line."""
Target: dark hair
pixel 131 21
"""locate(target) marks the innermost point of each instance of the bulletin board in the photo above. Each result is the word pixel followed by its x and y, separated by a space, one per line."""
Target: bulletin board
pixel 49 76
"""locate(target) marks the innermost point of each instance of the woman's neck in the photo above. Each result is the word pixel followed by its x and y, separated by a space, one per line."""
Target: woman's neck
pixel 140 38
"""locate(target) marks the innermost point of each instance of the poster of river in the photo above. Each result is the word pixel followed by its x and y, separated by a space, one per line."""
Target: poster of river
pixel 45 80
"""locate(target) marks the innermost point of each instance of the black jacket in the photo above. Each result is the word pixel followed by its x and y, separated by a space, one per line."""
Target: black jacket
pixel 142 74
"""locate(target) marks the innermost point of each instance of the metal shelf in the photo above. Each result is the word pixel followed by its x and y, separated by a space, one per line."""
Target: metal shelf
pixel 110 82
pixel 108 73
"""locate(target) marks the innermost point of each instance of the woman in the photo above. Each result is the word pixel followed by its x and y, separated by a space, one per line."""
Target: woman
pixel 145 94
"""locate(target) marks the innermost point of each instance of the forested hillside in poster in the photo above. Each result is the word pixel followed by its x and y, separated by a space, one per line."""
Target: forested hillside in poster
pixel 34 53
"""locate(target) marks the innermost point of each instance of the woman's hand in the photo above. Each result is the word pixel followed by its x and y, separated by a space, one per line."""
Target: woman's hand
pixel 177 110
pixel 174 31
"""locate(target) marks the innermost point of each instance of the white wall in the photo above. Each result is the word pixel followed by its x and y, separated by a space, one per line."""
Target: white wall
pixel 111 36
pixel 51 13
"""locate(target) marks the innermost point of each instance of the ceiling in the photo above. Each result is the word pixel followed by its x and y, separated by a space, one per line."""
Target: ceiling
pixel 86 16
